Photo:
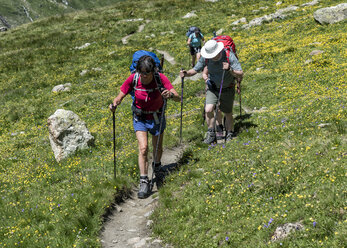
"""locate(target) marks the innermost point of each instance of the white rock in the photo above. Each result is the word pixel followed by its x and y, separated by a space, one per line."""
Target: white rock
pixel 67 134
pixel 83 72
pixel 148 214
pixel 314 2
pixel 133 240
pixel 316 52
pixel 149 223
pixel 237 22
pixel 140 244
pixel 324 125
pixel 283 231
pixel 61 87
pixel 190 15
pixel 331 15
pixel 83 46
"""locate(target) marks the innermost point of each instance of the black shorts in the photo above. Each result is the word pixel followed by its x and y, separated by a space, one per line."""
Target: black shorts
pixel 195 50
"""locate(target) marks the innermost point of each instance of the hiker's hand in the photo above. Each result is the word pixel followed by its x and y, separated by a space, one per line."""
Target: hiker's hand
pixel 183 73
pixel 238 88
pixel 226 66
pixel 167 94
pixel 112 107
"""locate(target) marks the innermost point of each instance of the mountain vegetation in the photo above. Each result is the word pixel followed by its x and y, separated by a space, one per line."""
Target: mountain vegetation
pixel 17 12
pixel 286 165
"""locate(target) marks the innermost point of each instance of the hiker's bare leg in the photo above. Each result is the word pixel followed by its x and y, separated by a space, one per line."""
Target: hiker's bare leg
pixel 219 117
pixel 160 147
pixel 209 115
pixel 142 140
pixel 229 121
pixel 193 60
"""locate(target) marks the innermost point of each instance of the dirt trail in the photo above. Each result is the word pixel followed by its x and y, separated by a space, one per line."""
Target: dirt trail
pixel 129 224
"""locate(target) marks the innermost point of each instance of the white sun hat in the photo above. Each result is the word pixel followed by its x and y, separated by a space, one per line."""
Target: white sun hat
pixel 211 49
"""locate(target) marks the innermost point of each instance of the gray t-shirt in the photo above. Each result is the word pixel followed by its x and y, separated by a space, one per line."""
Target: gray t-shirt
pixel 215 69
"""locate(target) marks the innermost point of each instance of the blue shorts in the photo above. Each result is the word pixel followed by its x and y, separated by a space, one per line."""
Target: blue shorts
pixel 149 126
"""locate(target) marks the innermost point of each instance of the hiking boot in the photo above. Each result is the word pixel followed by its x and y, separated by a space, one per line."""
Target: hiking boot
pixel 144 188
pixel 220 134
pixel 230 135
pixel 210 137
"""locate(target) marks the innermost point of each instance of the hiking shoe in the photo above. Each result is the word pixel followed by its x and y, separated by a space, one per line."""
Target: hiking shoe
pixel 144 188
pixel 219 133
pixel 210 137
pixel 230 136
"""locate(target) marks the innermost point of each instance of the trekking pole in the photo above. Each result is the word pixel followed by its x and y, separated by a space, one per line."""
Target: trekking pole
pixel 162 61
pixel 182 86
pixel 220 92
pixel 240 103
pixel 114 145
pixel 158 141
pixel 214 34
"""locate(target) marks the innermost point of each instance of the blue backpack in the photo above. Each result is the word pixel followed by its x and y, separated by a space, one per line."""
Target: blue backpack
pixel 191 30
pixel 138 54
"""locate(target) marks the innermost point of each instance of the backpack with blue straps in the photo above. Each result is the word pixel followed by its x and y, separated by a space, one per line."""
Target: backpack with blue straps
pixel 138 54
pixel 191 30
pixel 159 67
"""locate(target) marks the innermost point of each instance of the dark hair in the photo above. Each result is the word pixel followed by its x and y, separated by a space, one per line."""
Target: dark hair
pixel 145 63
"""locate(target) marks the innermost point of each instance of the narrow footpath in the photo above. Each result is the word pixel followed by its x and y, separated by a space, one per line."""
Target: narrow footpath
pixel 129 224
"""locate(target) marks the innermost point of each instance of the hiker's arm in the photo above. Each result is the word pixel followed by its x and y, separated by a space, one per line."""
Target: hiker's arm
pixel 171 94
pixel 205 73
pixel 189 41
pixel 184 73
pixel 237 74
pixel 117 101
pixel 235 67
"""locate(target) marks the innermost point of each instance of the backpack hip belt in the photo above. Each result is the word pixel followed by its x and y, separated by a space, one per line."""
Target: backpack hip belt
pixel 141 114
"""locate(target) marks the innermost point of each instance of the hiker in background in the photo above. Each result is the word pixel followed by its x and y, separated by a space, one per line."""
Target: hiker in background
pixel 214 61
pixel 194 42
pixel 147 108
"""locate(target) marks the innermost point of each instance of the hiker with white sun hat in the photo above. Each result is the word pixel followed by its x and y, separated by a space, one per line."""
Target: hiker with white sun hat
pixel 220 74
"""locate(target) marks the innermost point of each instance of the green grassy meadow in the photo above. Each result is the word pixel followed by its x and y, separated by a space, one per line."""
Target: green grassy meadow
pixel 286 165
pixel 18 12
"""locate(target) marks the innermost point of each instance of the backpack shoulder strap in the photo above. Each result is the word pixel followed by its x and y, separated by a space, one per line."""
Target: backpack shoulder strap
pixel 135 79
pixel 158 80
pixel 227 54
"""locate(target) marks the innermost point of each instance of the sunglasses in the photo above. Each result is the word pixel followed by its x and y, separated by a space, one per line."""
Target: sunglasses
pixel 145 73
